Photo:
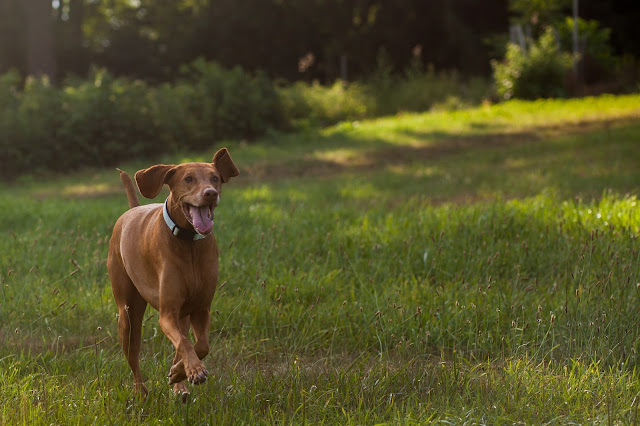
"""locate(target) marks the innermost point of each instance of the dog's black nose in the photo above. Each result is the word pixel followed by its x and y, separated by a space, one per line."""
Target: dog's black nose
pixel 210 193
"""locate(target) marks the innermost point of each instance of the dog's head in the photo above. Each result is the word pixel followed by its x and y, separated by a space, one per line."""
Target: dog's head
pixel 195 187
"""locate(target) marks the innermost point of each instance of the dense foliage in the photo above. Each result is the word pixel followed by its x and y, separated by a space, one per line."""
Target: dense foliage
pixel 293 39
pixel 105 119
pixel 539 72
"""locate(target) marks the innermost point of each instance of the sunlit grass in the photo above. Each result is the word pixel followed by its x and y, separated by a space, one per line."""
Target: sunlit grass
pixel 490 280
pixel 509 116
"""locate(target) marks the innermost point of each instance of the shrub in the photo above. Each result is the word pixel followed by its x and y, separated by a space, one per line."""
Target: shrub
pixel 40 118
pixel 426 90
pixel 222 104
pixel 598 60
pixel 316 104
pixel 538 73
pixel 29 120
pixel 106 119
pixel 177 127
pixel 11 157
pixel 103 120
pixel 93 123
pixel 383 94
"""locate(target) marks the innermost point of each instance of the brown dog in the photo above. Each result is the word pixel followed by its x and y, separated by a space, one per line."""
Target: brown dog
pixel 166 255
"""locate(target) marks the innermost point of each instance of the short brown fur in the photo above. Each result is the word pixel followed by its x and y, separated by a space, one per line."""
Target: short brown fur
pixel 147 264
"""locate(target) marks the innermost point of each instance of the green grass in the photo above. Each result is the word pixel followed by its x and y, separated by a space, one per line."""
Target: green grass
pixel 474 266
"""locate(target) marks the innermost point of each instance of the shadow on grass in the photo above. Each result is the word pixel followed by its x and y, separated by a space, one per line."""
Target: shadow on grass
pixel 581 160
pixel 478 162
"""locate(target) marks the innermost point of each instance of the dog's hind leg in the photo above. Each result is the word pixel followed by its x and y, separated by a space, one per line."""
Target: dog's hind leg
pixel 131 307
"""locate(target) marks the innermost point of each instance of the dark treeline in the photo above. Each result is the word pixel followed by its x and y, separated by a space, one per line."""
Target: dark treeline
pixel 287 39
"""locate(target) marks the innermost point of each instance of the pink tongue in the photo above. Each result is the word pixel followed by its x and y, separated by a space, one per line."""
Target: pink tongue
pixel 201 221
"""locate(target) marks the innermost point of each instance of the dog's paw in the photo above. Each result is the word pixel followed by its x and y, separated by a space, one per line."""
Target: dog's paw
pixel 181 390
pixel 142 390
pixel 177 373
pixel 197 374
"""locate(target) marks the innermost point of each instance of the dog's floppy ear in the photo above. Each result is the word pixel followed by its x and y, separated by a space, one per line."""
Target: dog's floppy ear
pixel 223 162
pixel 150 180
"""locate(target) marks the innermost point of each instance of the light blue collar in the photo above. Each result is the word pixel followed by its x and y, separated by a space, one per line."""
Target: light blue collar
pixel 184 234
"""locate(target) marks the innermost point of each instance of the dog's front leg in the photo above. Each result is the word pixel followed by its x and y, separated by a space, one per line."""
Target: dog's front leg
pixel 189 367
pixel 180 389
pixel 200 321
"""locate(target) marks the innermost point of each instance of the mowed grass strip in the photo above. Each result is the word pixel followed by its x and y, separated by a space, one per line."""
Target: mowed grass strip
pixel 486 276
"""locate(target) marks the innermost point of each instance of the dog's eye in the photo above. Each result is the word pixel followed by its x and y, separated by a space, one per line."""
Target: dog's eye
pixel 214 179
pixel 188 179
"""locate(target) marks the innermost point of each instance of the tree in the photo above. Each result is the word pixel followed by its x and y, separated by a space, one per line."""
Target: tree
pixel 40 46
pixel 69 37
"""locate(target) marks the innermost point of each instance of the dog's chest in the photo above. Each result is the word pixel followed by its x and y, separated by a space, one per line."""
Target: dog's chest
pixel 201 280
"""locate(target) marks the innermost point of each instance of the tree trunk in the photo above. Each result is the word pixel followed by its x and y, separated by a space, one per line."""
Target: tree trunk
pixel 70 45
pixel 76 16
pixel 40 48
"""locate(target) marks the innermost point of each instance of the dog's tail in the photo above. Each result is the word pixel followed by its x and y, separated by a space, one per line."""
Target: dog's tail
pixel 130 188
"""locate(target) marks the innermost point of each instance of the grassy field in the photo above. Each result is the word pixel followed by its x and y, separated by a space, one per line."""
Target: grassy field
pixel 477 266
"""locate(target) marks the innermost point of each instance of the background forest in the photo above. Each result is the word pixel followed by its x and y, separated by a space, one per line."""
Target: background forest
pixel 286 39
pixel 95 82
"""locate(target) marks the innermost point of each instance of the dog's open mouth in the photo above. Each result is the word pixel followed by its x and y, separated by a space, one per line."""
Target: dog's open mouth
pixel 200 217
